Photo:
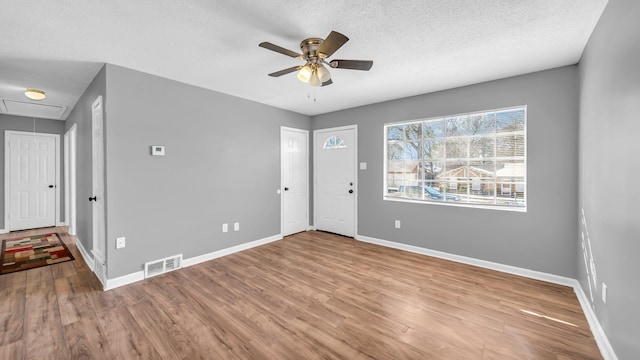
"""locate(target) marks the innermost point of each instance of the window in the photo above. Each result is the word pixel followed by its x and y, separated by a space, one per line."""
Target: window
pixel 334 142
pixel 475 159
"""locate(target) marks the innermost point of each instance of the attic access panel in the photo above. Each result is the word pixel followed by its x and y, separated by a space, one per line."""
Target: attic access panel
pixel 29 109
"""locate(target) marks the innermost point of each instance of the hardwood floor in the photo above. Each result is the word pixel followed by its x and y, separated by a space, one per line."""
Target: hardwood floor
pixel 310 296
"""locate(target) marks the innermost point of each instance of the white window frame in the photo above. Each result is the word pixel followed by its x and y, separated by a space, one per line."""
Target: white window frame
pixel 517 206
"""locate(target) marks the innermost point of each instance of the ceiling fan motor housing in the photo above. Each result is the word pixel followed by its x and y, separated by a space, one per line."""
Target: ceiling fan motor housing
pixel 309 48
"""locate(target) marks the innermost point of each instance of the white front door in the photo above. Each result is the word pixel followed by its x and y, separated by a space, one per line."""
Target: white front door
pixel 294 157
pixel 335 186
pixel 99 243
pixel 32 180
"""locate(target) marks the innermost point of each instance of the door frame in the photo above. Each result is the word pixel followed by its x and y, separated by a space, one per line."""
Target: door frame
pixel 353 127
pixel 70 178
pixel 281 190
pixel 7 176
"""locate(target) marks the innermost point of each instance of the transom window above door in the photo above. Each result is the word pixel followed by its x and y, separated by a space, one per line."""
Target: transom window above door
pixel 474 159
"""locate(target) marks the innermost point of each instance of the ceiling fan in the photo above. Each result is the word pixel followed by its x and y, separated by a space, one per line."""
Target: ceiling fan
pixel 315 52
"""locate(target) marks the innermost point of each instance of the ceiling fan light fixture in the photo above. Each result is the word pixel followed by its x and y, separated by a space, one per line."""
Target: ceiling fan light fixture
pixel 323 73
pixel 35 94
pixel 305 73
pixel 315 79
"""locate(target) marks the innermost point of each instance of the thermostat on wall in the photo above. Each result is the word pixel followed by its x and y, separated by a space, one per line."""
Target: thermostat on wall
pixel 157 150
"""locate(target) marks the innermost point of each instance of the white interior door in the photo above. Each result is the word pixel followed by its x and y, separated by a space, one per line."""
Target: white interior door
pixel 294 156
pixel 32 180
pixel 99 241
pixel 335 152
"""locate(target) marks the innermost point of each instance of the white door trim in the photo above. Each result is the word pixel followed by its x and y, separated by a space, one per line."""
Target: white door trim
pixel 306 133
pixel 355 171
pixel 70 180
pixel 7 176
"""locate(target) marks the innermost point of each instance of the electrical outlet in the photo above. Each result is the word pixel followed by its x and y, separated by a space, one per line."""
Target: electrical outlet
pixel 225 227
pixel 604 293
pixel 121 242
pixel 397 224
pixel 236 226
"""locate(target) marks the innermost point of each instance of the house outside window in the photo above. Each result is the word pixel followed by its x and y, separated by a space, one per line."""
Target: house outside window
pixel 474 159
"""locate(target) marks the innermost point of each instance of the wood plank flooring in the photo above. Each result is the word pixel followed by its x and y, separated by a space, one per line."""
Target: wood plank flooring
pixel 310 296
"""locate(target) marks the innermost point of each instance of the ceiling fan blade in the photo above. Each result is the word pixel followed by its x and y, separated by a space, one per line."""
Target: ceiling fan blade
pixel 351 64
pixel 333 42
pixel 328 82
pixel 279 49
pixel 285 71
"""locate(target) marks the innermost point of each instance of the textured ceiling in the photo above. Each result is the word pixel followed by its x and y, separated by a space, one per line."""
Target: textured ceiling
pixel 417 46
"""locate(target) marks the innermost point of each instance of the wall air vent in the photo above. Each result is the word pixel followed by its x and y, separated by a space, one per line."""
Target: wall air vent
pixel 162 266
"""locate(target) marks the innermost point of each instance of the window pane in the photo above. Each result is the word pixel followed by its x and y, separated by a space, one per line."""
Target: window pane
pixel 507 194
pixel 456 126
pixel 395 151
pixel 413 131
pixel 413 150
pixel 412 191
pixel 401 173
pixel 434 149
pixel 395 132
pixel 334 142
pixel 432 170
pixel 511 120
pixel 482 147
pixel 510 145
pixel 433 129
pixel 482 124
pixel 457 148
pixel 510 171
pixel 482 169
pixel 482 192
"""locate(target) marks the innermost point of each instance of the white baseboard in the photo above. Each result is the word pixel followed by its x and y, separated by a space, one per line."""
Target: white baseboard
pixel 220 253
pixel 88 259
pixel 311 228
pixel 124 280
pixel 3 231
pixel 538 275
pixel 138 276
pixel 598 333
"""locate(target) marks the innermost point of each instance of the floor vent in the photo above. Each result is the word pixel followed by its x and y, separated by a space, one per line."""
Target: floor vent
pixel 162 266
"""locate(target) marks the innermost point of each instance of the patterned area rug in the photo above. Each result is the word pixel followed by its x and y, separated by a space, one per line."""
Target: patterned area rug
pixel 32 251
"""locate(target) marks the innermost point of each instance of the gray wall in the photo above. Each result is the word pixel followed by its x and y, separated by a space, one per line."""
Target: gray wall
pixel 20 123
pixel 541 239
pixel 81 115
pixel 222 165
pixel 609 173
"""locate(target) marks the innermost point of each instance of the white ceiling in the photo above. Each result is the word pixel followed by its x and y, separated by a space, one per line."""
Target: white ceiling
pixel 418 46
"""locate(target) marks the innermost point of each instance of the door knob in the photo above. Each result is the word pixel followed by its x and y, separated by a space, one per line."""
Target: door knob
pixel 286 189
pixel 93 199
pixel 351 191
pixel 51 186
